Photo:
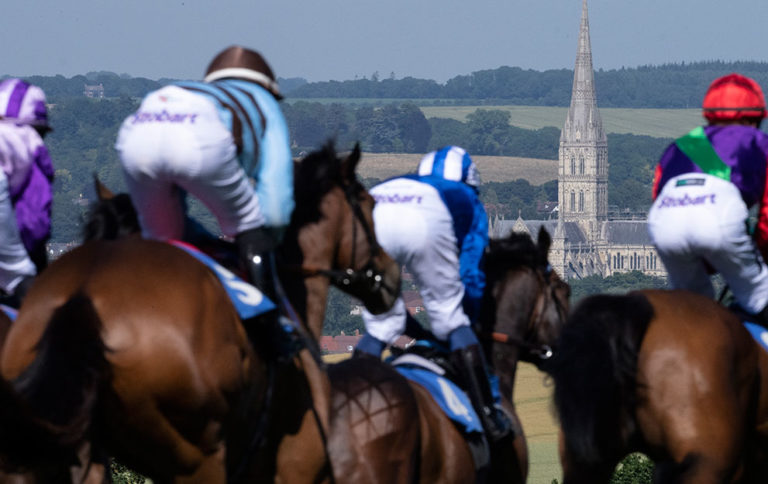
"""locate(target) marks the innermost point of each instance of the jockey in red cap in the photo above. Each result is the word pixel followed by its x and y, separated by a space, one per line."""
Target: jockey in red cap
pixel 704 186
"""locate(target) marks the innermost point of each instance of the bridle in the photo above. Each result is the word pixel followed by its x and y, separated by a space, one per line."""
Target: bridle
pixel 534 351
pixel 368 279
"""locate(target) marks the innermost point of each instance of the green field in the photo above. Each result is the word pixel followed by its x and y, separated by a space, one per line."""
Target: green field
pixel 659 123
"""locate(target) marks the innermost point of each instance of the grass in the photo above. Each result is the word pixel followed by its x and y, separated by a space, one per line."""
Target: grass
pixel 659 123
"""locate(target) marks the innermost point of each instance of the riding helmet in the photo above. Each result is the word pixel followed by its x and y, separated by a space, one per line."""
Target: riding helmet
pixel 236 62
pixel 23 103
pixel 451 163
pixel 734 97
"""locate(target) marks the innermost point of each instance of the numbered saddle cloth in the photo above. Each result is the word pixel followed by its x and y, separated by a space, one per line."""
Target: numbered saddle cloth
pixel 759 333
pixel 247 299
pixel 9 311
pixel 452 399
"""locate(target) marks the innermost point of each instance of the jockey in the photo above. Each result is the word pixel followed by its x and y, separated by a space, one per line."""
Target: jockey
pixel 223 140
pixel 25 187
pixel 435 224
pixel 704 186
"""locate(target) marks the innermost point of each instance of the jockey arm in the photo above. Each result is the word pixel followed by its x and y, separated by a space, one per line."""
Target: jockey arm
pixel 31 190
pixel 761 228
pixel 470 261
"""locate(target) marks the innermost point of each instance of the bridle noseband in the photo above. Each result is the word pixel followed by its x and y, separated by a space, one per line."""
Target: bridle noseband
pixel 541 352
pixel 368 279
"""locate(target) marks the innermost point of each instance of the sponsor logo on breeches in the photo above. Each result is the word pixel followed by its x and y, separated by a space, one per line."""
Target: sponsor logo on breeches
pixel 685 200
pixel 397 198
pixel 162 117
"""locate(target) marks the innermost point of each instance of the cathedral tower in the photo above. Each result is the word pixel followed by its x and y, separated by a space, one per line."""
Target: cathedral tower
pixel 583 154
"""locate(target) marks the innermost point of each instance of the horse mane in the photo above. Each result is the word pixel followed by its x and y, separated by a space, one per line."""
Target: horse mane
pixel 594 370
pixel 314 176
pixel 516 250
pixel 111 218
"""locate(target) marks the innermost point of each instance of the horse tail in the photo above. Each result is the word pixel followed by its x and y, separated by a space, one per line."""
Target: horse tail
pixel 595 371
pixel 50 408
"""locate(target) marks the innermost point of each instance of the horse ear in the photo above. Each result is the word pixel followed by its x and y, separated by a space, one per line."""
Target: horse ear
pixel 102 191
pixel 349 165
pixel 544 241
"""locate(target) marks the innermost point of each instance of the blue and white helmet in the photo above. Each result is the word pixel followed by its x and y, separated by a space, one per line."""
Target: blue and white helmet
pixel 451 163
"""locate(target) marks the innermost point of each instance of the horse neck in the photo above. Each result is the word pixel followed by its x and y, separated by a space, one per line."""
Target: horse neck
pixel 309 248
pixel 517 295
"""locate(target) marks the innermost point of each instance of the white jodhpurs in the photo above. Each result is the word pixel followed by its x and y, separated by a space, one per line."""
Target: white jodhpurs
pixel 176 141
pixel 415 228
pixel 699 218
pixel 15 263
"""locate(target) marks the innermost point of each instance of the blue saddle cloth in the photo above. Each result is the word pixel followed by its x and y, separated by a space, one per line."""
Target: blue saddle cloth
pixel 247 299
pixel 451 399
pixel 759 333
pixel 9 311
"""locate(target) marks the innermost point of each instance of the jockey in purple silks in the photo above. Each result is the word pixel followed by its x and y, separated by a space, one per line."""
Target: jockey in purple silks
pixel 25 187
pixel 705 184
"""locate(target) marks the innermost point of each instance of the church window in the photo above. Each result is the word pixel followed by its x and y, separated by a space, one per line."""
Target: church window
pixel 573 165
pixel 581 201
pixel 573 201
pixel 581 165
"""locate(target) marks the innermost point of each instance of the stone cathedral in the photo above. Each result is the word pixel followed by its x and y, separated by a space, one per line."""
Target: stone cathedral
pixel 585 241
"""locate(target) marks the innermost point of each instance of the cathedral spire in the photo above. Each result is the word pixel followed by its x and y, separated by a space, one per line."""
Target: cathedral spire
pixel 583 154
pixel 583 122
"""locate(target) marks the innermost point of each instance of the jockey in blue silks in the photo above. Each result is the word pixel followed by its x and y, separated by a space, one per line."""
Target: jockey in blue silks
pixel 435 224
pixel 223 140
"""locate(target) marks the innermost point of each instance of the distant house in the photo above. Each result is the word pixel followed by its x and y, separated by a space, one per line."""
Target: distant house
pixel 339 344
pixel 94 91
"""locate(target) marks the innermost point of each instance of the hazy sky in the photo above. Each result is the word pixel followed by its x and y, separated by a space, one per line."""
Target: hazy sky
pixel 341 39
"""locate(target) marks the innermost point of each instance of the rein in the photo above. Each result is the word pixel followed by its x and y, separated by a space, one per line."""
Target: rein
pixel 541 351
pixel 368 278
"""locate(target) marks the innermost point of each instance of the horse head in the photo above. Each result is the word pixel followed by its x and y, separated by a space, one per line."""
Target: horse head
pixel 334 232
pixel 112 216
pixel 525 302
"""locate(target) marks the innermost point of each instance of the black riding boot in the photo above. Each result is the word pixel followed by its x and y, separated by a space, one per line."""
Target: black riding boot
pixel 761 318
pixel 255 248
pixel 19 292
pixel 470 364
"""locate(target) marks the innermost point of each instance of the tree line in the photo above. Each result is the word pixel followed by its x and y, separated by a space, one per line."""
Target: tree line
pixel 664 86
pixel 652 86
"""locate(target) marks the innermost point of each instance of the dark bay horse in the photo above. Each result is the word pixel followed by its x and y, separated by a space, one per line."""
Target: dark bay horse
pixel 132 349
pixel 525 304
pixel 668 373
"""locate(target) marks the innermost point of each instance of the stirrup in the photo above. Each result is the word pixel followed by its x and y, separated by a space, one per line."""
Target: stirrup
pixel 497 425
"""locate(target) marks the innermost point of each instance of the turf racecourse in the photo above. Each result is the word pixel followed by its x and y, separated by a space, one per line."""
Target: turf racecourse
pixel 534 407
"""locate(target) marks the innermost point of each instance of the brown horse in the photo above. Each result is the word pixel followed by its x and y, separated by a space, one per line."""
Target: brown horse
pixel 525 304
pixel 668 373
pixel 132 349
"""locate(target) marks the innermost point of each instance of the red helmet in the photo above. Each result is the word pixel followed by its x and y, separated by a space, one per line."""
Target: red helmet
pixel 238 62
pixel 734 97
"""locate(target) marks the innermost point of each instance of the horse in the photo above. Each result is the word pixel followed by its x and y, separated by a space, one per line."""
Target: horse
pixel 132 349
pixel 524 305
pixel 668 373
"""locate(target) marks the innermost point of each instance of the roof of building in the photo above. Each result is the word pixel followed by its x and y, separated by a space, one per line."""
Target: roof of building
pixel 626 232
